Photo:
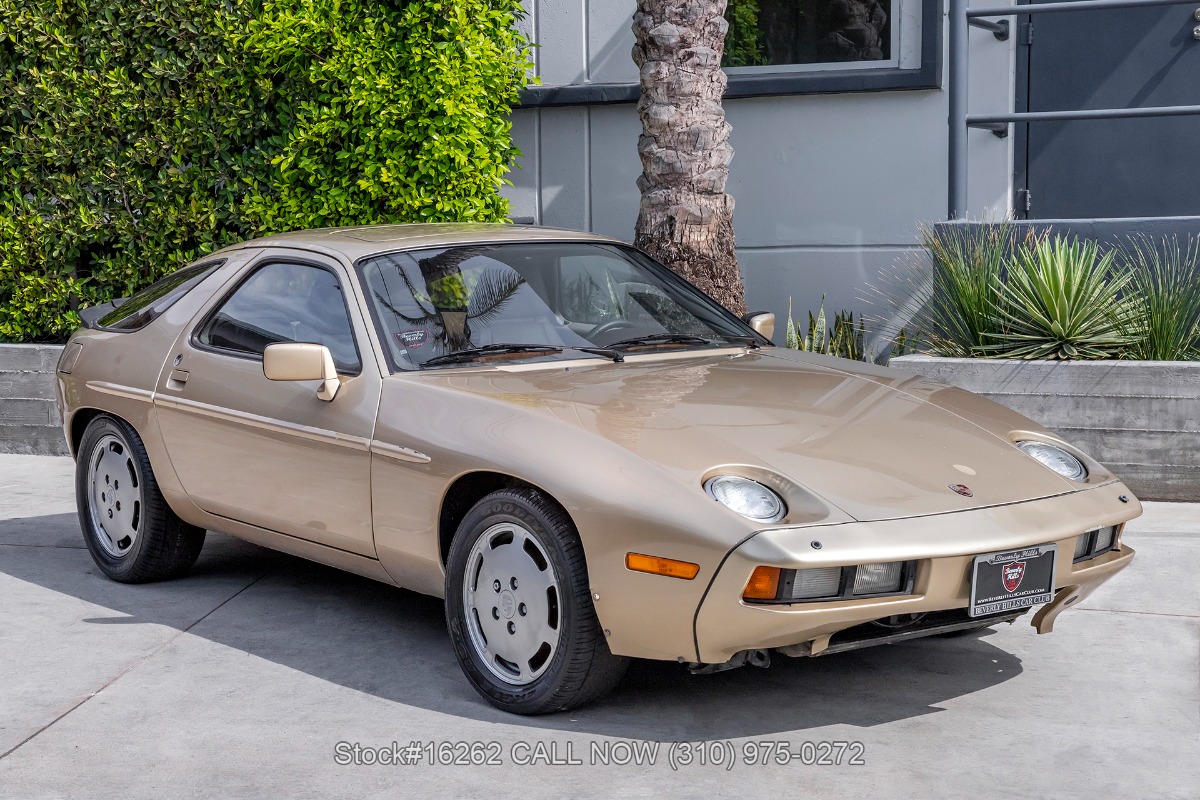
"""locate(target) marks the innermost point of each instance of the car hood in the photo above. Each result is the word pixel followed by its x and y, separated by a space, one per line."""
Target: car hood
pixel 876 444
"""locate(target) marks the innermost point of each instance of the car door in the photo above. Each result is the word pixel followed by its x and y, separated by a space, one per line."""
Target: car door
pixel 270 453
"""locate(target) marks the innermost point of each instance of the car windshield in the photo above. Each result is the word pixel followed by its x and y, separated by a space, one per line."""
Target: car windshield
pixel 433 304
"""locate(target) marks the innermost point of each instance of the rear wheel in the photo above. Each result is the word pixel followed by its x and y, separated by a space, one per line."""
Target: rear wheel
pixel 131 532
pixel 519 608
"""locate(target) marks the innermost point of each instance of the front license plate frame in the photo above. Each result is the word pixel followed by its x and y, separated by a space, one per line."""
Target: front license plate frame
pixel 1030 571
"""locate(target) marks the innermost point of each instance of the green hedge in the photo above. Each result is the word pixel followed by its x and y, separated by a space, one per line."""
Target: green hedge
pixel 136 135
pixel 745 42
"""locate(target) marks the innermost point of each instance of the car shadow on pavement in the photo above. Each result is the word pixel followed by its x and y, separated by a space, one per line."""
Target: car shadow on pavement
pixel 392 644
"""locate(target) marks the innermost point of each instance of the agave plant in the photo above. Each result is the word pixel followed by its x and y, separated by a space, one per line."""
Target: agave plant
pixel 843 340
pixel 791 336
pixel 960 313
pixel 902 343
pixel 951 293
pixel 847 339
pixel 1165 279
pixel 1062 300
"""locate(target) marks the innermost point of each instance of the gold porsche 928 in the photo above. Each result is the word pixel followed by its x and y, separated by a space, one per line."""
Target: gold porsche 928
pixel 588 458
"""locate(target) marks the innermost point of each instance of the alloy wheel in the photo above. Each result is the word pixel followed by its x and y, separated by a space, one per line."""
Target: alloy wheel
pixel 512 601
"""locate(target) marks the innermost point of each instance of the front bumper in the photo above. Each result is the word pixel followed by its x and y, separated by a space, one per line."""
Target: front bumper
pixel 943 546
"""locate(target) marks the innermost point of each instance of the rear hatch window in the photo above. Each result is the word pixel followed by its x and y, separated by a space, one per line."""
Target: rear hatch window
pixel 147 305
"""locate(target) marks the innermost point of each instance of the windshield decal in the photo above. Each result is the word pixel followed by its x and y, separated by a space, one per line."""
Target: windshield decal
pixel 413 339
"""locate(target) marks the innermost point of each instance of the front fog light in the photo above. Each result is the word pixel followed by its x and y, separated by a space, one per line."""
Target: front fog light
pixel 1093 543
pixel 1055 458
pixel 878 578
pixel 1081 546
pixel 746 497
pixel 812 583
pixel 772 584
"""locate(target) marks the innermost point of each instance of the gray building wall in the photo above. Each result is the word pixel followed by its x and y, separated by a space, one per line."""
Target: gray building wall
pixel 829 188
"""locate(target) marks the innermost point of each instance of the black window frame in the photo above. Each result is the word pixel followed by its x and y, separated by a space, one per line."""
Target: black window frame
pixel 194 336
pixel 785 82
pixel 203 270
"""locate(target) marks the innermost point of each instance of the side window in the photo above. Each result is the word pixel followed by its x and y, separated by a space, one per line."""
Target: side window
pixel 284 302
pixel 809 32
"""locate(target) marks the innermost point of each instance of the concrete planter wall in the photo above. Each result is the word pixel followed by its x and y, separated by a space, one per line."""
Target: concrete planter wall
pixel 1139 418
pixel 28 419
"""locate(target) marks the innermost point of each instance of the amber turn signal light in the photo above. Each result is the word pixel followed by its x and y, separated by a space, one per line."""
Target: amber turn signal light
pixel 661 566
pixel 763 584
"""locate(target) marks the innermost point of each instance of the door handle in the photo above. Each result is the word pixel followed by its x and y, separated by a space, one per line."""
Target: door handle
pixel 177 379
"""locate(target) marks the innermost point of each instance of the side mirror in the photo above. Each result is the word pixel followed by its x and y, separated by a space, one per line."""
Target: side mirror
pixel 301 361
pixel 763 322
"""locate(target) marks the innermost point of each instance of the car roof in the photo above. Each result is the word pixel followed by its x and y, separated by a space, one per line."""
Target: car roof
pixel 357 242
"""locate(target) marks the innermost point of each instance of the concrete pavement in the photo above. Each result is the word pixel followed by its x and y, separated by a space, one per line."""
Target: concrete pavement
pixel 242 679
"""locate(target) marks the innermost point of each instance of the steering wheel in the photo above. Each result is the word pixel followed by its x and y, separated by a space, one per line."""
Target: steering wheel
pixel 608 327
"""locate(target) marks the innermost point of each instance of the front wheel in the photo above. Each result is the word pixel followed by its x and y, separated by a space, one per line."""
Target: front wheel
pixel 519 608
pixel 131 532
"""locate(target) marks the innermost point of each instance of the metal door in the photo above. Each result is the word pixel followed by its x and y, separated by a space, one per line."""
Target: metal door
pixel 1113 58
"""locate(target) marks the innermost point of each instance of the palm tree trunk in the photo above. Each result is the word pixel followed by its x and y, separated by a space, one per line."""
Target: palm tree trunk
pixel 686 219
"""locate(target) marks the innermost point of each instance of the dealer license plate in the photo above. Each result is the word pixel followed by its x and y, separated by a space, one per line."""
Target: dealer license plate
pixel 1012 579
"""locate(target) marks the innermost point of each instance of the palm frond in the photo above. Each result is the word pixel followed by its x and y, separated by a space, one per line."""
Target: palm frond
pixel 383 301
pixel 493 291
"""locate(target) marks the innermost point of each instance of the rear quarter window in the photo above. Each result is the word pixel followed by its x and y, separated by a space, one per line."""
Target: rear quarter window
pixel 150 303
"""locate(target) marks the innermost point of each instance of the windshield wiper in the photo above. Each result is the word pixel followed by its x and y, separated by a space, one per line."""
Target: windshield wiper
pixel 473 353
pixel 749 341
pixel 659 338
pixel 602 351
pixel 680 338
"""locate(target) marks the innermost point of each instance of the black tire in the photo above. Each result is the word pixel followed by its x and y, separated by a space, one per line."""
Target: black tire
pixel 161 545
pixel 581 668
